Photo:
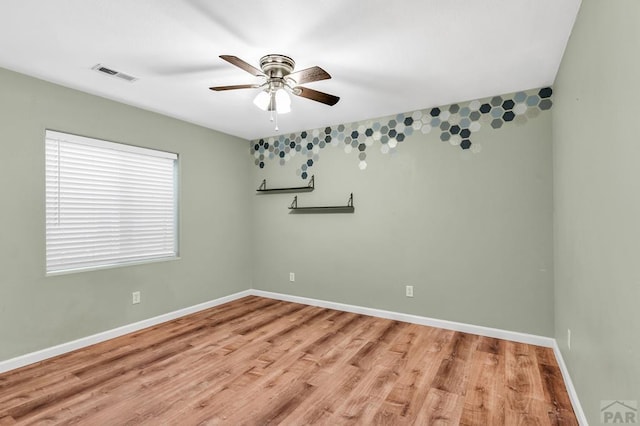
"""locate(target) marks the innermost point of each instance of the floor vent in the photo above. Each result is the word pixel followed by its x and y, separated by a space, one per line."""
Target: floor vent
pixel 113 73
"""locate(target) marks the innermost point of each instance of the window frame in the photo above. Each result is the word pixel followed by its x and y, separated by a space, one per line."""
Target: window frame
pixel 54 135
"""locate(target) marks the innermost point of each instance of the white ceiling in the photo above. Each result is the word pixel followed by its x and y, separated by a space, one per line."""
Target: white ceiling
pixel 385 57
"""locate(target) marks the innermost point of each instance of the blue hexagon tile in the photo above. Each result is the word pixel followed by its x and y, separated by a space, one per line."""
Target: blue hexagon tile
pixel 456 124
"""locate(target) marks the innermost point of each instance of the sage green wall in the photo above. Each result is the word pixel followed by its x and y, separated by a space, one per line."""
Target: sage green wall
pixel 37 311
pixel 597 203
pixel 472 232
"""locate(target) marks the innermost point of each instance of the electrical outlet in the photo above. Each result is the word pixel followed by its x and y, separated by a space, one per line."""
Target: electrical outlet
pixel 292 276
pixel 135 297
pixel 409 291
pixel 569 338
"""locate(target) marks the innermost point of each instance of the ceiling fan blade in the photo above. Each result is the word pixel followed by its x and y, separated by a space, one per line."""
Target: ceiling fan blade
pixel 237 86
pixel 314 95
pixel 308 75
pixel 234 60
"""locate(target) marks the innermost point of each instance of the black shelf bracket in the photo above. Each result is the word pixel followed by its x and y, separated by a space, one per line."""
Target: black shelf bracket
pixel 349 208
pixel 310 187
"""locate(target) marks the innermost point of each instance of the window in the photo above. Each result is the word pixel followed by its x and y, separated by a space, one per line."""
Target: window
pixel 107 204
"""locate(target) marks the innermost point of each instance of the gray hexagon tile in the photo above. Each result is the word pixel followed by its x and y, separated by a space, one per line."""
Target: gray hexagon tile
pixel 455 124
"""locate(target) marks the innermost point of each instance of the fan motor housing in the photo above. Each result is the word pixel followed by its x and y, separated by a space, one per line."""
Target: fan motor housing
pixel 277 65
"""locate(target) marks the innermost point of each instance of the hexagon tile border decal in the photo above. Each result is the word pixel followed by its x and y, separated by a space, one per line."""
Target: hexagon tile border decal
pixel 456 124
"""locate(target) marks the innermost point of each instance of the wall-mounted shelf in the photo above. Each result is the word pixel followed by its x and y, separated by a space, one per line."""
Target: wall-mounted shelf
pixel 310 187
pixel 349 208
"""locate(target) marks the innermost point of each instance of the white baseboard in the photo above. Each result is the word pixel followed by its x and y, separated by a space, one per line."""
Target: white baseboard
pixel 573 395
pixel 515 336
pixel 63 348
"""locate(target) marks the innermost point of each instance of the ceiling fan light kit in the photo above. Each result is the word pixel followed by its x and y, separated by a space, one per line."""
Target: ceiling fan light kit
pixel 270 100
pixel 280 81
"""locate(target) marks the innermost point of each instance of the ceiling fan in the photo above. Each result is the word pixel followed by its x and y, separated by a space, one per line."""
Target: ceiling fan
pixel 280 80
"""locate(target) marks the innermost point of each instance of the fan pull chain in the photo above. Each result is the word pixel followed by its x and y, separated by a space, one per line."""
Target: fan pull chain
pixel 273 113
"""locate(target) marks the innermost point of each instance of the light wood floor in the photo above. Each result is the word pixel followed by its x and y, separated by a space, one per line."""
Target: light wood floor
pixel 259 361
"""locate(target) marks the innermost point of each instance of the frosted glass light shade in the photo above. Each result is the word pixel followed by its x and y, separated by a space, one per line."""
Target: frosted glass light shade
pixel 262 100
pixel 283 102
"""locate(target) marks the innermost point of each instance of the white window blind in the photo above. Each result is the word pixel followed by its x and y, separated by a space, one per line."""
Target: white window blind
pixel 107 204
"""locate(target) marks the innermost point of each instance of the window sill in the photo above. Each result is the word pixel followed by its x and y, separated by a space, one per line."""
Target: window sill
pixel 113 266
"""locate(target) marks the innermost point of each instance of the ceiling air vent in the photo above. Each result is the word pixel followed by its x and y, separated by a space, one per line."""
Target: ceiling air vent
pixel 113 73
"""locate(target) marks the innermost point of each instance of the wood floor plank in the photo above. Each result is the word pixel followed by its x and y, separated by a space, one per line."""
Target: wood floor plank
pixel 276 391
pixel 381 368
pixel 545 355
pixel 330 395
pixel 524 384
pixel 422 350
pixel 491 345
pixel 385 377
pixel 262 361
pixel 441 408
pixel 555 393
pixel 484 400
pixel 453 374
pixel 334 361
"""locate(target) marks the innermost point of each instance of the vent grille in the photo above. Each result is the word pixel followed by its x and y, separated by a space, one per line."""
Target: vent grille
pixel 113 73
